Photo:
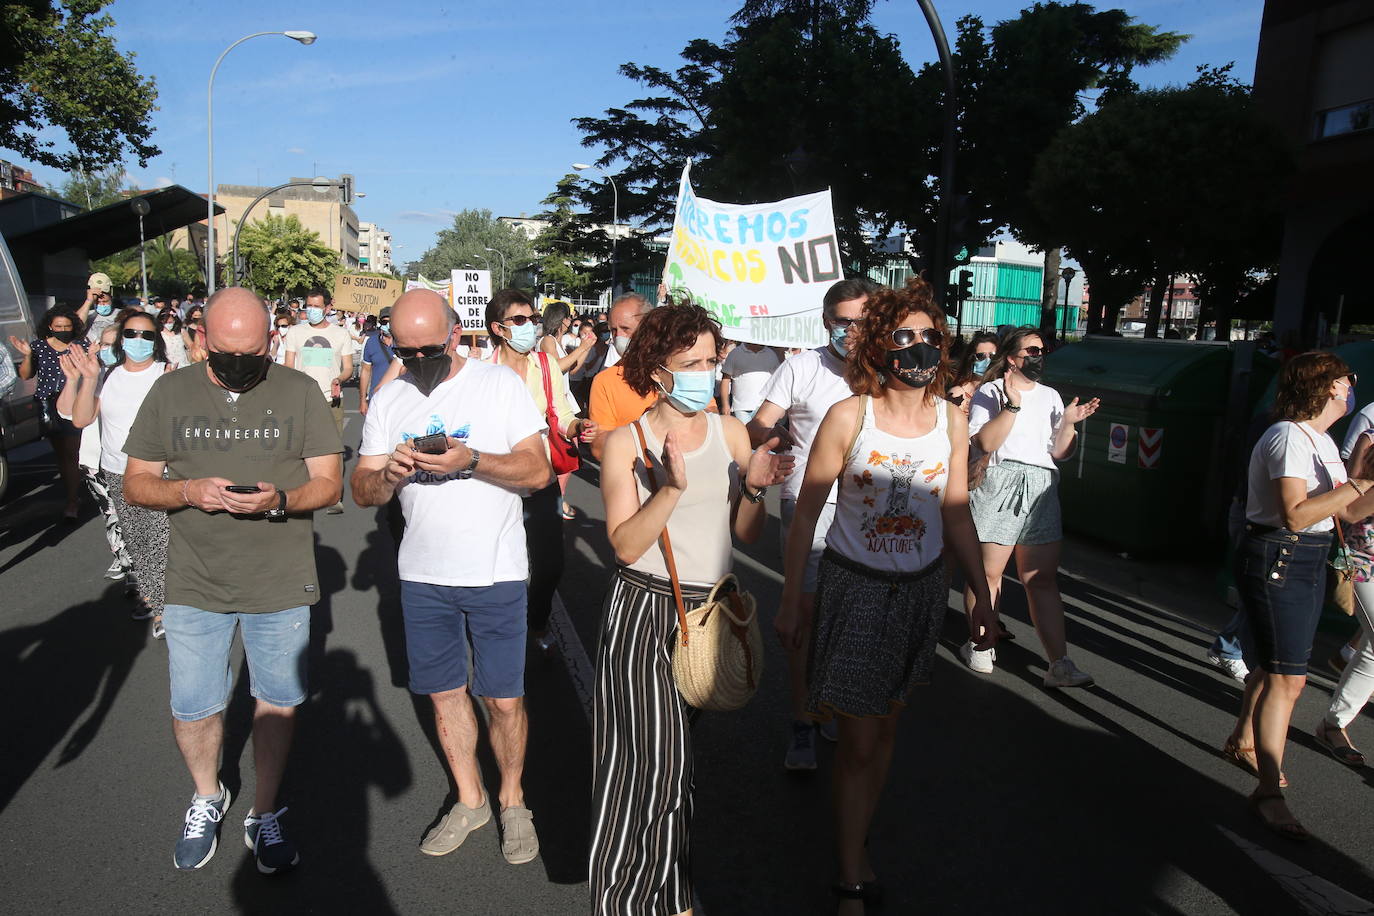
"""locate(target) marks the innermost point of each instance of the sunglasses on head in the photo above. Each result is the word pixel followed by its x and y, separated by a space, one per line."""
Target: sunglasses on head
pixel 905 337
pixel 130 334
pixel 428 352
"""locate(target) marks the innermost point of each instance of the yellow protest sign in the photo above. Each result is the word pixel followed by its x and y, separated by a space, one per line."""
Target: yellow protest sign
pixel 367 293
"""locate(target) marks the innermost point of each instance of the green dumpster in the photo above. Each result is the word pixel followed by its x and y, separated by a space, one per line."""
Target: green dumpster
pixel 1147 466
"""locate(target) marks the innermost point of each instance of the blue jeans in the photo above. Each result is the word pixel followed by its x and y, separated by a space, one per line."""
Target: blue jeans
pixel 198 644
pixel 1234 637
pixel 1281 577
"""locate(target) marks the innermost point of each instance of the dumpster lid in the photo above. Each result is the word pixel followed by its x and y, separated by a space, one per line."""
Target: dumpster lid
pixel 1148 369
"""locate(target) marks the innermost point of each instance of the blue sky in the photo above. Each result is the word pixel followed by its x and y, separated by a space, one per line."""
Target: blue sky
pixel 436 108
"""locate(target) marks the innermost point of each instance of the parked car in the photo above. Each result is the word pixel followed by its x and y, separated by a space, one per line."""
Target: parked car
pixel 19 410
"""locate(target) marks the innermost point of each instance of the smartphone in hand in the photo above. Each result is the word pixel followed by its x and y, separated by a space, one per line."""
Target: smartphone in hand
pixel 240 488
pixel 436 444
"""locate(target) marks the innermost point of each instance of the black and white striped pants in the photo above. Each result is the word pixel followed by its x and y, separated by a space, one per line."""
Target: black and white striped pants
pixel 641 741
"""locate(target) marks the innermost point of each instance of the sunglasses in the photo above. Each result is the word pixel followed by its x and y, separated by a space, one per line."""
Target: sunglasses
pixel 905 337
pixel 283 327
pixel 130 334
pixel 845 323
pixel 518 320
pixel 1032 351
pixel 428 352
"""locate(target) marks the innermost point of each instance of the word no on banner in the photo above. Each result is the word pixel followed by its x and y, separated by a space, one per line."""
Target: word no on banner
pixel 470 293
pixel 367 293
pixel 761 269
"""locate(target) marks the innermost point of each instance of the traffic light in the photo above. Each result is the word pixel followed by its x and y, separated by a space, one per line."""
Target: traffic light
pixel 347 189
pixel 964 290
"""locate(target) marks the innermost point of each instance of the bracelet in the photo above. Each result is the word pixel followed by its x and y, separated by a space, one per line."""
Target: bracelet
pixel 184 486
pixel 1355 488
pixel 1014 408
pixel 752 497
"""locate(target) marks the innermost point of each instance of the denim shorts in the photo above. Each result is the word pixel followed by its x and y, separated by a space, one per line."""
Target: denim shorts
pixel 198 644
pixel 1281 578
pixel 441 619
pixel 788 508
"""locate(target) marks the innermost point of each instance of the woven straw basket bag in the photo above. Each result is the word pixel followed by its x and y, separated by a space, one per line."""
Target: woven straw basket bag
pixel 718 655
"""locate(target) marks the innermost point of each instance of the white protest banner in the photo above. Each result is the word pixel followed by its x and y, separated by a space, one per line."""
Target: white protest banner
pixel 761 269
pixel 471 293
pixel 444 289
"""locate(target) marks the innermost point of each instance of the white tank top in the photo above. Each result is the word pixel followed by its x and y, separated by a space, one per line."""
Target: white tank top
pixel 887 516
pixel 700 524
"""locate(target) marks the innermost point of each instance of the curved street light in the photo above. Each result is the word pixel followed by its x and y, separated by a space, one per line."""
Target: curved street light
pixel 318 184
pixel 305 38
pixel 615 215
pixel 503 264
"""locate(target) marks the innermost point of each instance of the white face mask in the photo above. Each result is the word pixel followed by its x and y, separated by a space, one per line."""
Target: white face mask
pixel 621 344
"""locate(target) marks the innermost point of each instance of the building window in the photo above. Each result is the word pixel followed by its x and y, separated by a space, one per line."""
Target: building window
pixel 1347 119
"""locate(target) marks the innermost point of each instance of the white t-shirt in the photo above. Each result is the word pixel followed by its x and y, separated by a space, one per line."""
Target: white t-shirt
pixel 806 387
pixel 749 372
pixel 1290 449
pixel 319 352
pixel 1031 439
pixel 1362 422
pixel 458 532
pixel 121 394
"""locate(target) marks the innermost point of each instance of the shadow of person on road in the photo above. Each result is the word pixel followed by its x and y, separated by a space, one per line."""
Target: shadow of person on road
pixel 376 568
pixel 71 665
pixel 345 746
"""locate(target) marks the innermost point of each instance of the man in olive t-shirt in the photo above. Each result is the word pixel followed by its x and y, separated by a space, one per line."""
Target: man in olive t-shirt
pixel 236 560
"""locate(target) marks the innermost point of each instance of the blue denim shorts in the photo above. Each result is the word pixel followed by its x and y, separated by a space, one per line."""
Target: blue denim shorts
pixel 441 619
pixel 1281 578
pixel 198 644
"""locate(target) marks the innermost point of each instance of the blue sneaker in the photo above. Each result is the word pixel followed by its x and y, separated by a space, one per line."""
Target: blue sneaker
pixel 262 834
pixel 200 835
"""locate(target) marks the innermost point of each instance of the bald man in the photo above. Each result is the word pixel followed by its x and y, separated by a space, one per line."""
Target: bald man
pixel 457 440
pixel 250 450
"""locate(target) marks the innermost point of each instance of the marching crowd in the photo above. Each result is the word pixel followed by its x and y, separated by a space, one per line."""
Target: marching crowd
pixel 209 434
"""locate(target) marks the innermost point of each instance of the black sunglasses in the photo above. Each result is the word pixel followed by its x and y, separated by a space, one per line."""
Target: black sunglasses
pixel 428 352
pixel 905 337
pixel 1032 351
pixel 518 320
pixel 130 334
pixel 845 323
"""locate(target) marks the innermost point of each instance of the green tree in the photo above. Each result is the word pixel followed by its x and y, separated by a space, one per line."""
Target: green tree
pixel 465 243
pixel 171 271
pixel 96 189
pixel 561 246
pixel 61 76
pixel 124 271
pixel 282 258
pixel 1165 182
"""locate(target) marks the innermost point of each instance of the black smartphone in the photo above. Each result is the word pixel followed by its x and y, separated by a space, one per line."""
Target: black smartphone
pixel 436 444
pixel 240 488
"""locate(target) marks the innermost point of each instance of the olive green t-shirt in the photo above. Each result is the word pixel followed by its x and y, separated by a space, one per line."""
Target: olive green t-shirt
pixel 230 563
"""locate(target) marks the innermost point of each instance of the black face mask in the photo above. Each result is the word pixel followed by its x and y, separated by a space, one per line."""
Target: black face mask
pixel 916 365
pixel 239 373
pixel 428 371
pixel 64 336
pixel 1032 367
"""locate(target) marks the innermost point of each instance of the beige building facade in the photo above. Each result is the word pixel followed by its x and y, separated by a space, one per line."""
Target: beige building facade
pixel 321 211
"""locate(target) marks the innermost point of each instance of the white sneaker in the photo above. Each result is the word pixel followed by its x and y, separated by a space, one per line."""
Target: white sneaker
pixel 979 660
pixel 1229 666
pixel 1064 673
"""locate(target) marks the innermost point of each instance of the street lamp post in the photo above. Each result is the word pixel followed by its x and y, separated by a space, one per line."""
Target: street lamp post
pixel 615 216
pixel 304 38
pixel 503 264
pixel 318 183
pixel 1068 273
pixel 140 206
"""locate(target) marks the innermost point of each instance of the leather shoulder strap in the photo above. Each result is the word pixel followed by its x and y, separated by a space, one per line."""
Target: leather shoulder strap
pixel 663 538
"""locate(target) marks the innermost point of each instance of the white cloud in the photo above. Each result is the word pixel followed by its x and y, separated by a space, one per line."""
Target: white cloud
pixel 163 181
pixel 296 150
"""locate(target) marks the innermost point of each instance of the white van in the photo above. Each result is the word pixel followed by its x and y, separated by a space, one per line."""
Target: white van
pixel 19 410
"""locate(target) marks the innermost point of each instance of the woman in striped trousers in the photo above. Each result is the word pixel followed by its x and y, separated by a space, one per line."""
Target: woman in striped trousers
pixel 642 772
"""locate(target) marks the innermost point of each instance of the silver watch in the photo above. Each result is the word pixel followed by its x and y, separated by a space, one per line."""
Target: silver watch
pixel 468 472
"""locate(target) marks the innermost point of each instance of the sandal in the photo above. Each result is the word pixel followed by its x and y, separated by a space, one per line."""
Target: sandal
pixel 1244 757
pixel 1345 753
pixel 1289 830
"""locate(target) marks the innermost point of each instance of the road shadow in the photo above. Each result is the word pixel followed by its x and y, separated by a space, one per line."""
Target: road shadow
pixel 66 671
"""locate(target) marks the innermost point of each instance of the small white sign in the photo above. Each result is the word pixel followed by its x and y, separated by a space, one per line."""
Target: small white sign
pixel 471 292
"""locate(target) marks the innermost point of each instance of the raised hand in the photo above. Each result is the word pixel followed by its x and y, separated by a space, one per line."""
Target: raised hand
pixel 1076 413
pixel 21 346
pixel 766 468
pixel 674 466
pixel 85 362
pixel 1012 395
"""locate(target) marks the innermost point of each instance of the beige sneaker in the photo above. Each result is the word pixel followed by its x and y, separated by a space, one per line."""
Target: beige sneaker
pixel 450 832
pixel 519 842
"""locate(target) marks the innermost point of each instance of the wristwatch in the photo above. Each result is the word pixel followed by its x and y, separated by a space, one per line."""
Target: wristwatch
pixel 1014 408
pixel 278 513
pixel 467 472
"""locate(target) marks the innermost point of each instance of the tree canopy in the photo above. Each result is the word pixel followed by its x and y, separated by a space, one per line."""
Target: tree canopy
pixel 63 78
pixel 464 244
pixel 283 258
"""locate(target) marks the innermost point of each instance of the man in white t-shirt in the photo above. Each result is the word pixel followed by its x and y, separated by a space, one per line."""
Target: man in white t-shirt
pixel 745 371
pixel 801 391
pixel 322 350
pixel 458 441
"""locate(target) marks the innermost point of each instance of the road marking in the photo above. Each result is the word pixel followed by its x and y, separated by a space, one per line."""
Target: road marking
pixel 579 665
pixel 1315 895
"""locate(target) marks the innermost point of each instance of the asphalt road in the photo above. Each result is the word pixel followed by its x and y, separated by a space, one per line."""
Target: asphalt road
pixel 1004 797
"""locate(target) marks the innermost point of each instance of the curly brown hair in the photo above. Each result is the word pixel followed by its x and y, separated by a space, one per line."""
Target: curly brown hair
pixel 664 331
pixel 1305 383
pixel 884 313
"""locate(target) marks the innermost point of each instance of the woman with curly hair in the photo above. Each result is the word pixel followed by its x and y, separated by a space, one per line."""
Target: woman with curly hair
pixel 58 332
pixel 1297 491
pixel 900 453
pixel 707 485
pixel 972 365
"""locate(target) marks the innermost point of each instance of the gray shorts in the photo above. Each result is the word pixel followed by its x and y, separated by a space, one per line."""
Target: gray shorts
pixel 1017 504
pixel 813 560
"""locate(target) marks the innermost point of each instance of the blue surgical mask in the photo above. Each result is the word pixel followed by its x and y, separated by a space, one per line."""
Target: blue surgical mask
pixel 384 327
pixel 1349 400
pixel 138 349
pixel 980 365
pixel 692 391
pixel 521 337
pixel 314 315
pixel 107 357
pixel 838 340
pixel 104 308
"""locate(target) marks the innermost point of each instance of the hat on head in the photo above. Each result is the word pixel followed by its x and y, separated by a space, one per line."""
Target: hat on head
pixel 385 313
pixel 100 281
